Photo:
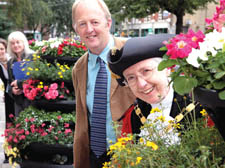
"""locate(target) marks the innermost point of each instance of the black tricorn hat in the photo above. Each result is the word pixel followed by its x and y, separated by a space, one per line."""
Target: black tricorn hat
pixel 135 50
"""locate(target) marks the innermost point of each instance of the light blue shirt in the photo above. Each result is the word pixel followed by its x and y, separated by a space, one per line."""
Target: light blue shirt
pixel 93 68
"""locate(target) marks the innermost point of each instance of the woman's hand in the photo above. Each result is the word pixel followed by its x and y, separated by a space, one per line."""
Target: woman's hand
pixel 15 89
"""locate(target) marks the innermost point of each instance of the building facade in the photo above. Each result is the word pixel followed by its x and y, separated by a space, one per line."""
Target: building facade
pixel 165 22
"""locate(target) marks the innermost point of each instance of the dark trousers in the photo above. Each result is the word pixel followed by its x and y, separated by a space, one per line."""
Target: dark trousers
pixel 98 162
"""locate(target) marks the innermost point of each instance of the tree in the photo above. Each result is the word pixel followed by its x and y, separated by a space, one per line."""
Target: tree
pixel 39 17
pixel 62 16
pixel 5 24
pixel 142 8
pixel 42 15
pixel 16 12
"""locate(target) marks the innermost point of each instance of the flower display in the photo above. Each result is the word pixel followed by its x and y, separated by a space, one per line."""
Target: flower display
pixel 59 47
pixel 36 89
pixel 34 126
pixel 198 146
pixel 39 68
pixel 198 59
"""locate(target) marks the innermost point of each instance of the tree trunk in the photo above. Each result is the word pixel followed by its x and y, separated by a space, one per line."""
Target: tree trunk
pixel 179 23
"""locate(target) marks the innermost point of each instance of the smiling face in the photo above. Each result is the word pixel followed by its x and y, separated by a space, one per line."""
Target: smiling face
pixel 17 46
pixel 146 82
pixel 92 26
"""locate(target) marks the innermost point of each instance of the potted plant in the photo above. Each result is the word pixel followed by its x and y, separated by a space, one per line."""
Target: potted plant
pixel 198 64
pixel 49 86
pixel 40 136
pixel 65 50
pixel 199 146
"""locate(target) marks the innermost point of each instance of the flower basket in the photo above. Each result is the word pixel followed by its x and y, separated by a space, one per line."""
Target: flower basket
pixel 215 106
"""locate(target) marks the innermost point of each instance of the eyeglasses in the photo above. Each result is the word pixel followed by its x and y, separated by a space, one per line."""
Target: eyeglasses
pixel 145 74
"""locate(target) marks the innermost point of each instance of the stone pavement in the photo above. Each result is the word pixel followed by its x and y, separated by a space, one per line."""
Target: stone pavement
pixel 2 127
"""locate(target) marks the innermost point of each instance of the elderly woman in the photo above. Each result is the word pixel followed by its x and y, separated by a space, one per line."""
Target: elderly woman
pixel 4 57
pixel 18 49
pixel 136 66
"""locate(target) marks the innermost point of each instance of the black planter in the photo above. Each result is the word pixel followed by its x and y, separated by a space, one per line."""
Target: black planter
pixel 49 154
pixel 33 164
pixel 66 106
pixel 62 60
pixel 214 106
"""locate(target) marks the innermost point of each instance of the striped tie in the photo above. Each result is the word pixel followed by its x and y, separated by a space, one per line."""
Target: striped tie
pixel 98 118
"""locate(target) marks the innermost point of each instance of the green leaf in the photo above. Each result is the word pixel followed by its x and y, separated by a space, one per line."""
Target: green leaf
pixel 163 48
pixel 222 95
pixel 219 85
pixel 219 75
pixel 183 85
pixel 166 63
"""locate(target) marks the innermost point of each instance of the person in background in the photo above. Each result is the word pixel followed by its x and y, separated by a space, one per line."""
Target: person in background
pixel 4 57
pixel 18 49
pixel 92 22
pixel 136 66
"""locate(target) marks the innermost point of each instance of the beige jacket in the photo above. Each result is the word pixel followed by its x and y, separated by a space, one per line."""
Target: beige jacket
pixel 121 98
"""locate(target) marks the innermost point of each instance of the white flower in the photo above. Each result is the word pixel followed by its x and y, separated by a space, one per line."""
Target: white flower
pixel 55 44
pixel 193 57
pixel 162 129
pixel 39 43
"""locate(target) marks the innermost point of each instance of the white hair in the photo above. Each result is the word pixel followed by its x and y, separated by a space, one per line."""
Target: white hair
pixel 17 35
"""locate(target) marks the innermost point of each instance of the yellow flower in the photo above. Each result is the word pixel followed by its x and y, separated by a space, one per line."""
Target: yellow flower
pixel 152 144
pixel 30 69
pixel 203 112
pixel 161 118
pixel 176 125
pixel 36 69
pixel 28 73
pixel 141 140
pixel 138 160
pixel 155 110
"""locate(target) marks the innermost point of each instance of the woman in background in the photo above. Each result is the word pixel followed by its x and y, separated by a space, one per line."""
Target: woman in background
pixel 18 49
pixel 4 57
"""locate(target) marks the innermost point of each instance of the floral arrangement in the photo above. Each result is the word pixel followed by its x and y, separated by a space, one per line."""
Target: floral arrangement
pixel 47 80
pixel 36 89
pixel 199 59
pixel 40 69
pixel 34 126
pixel 59 47
pixel 199 146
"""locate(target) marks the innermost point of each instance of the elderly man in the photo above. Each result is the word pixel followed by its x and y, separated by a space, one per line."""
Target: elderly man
pixel 99 99
pixel 136 66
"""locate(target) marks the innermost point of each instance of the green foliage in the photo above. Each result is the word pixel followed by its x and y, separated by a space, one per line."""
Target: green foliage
pixel 5 24
pixel 42 70
pixel 62 16
pixel 143 8
pixel 200 146
pixel 42 15
pixel 35 125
